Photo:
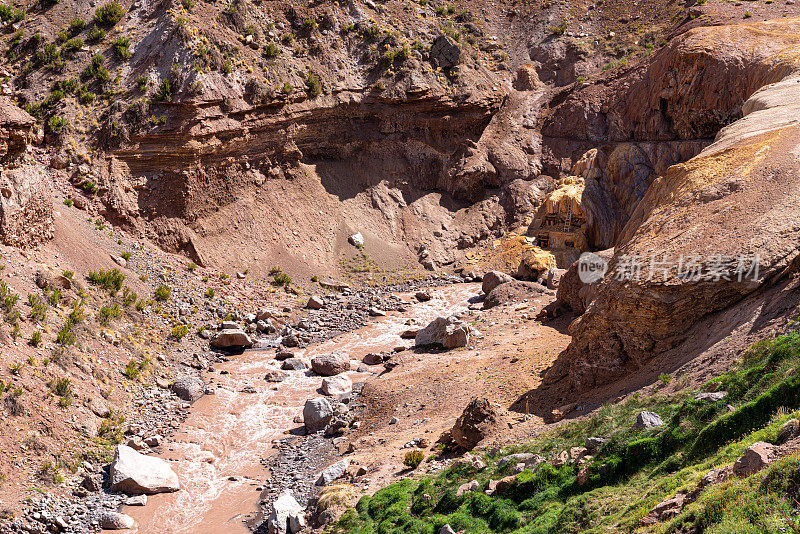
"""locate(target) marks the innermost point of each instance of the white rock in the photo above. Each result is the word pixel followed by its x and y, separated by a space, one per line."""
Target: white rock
pixel 287 515
pixel 136 473
pixel 337 385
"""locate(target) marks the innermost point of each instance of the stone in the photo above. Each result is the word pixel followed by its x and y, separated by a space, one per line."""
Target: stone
pixel 274 375
pixel 711 397
pixel 554 276
pixel 424 296
pixel 136 443
pixel 26 206
pixel 445 52
pixel 492 279
pixel 467 487
pixel 474 424
pixel 561 459
pixel 331 364
pixel 333 472
pixel 136 500
pixel 647 420
pixel 136 473
pixel 287 516
pixel 315 303
pixel 337 385
pixel 188 388
pixel 529 459
pixel 317 413
pixel 446 529
pixel 514 291
pixel 373 359
pixel 448 332
pixel 282 355
pixel 756 457
pixel 411 333
pixel 357 240
pixel 576 454
pixel 99 408
pixel 154 441
pixel 376 312
pixel 788 430
pixel 231 338
pixel 583 475
pixel 92 483
pixel 527 78
pixel 116 521
pixel 293 364
pixel 593 444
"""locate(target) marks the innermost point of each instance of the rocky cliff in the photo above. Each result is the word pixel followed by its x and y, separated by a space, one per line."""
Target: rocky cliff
pixel 718 228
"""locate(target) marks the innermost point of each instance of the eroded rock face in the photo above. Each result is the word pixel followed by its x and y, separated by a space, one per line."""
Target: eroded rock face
pixel 26 207
pixel 136 473
pixel 713 207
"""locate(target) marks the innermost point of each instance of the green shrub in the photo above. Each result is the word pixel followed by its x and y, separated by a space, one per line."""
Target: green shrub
pixel 191 266
pixel 109 14
pixel 121 47
pixel 313 85
pixel 179 331
pixel 133 369
pixel 210 293
pixel 96 34
pixel 110 280
pixel 107 313
pixel 281 279
pixel 142 82
pixel 128 296
pixel 36 338
pixel 57 125
pixel 61 386
pixel 413 458
pixel 271 51
pixel 126 256
pixel 164 92
pixel 77 25
pixel 162 293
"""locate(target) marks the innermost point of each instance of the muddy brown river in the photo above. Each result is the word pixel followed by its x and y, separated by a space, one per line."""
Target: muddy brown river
pixel 217 450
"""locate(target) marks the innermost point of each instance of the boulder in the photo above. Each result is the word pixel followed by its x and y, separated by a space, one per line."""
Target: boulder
pixel 136 473
pixel 116 521
pixel 789 430
pixel 446 529
pixel 647 420
pixel 331 364
pixel 293 364
pixel 467 487
pixel 333 472
pixel 373 359
pixel 513 291
pixel 593 444
pixel 287 516
pixel 232 338
pixel 445 52
pixel 756 457
pixel 529 459
pixel 317 413
pixel 337 385
pixel 274 375
pixel 188 388
pixel 315 303
pixel 554 276
pixel 492 279
pixel 99 408
pixel 474 424
pixel 446 331
pixel 424 296
pixel 357 240
pixel 711 397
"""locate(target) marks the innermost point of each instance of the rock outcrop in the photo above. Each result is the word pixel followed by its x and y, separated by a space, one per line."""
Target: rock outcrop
pixel 729 213
pixel 474 424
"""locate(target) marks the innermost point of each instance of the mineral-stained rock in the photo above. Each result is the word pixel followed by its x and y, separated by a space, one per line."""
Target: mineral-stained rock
pixel 136 473
pixel 474 424
pixel 633 320
pixel 331 364
pixel 26 207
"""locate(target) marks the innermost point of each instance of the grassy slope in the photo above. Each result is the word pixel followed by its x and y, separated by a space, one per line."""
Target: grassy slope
pixel 634 470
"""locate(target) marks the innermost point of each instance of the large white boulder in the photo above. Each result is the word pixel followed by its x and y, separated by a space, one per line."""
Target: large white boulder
pixel 136 473
pixel 288 516
pixel 317 413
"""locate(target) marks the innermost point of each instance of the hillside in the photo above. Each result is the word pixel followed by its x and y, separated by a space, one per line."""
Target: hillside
pixel 208 206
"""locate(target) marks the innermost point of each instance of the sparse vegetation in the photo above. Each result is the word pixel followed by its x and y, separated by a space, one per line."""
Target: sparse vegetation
pixel 107 313
pixel 134 368
pixel 110 280
pixel 413 458
pixel 108 14
pixel 162 293
pixel 179 331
